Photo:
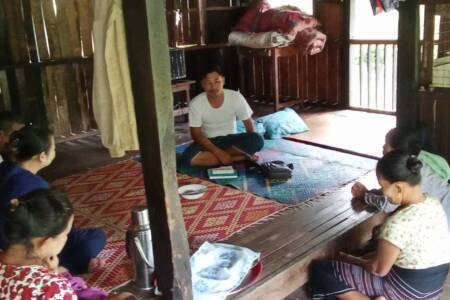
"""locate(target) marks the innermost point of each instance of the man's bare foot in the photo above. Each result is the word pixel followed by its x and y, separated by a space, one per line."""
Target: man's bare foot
pixel 254 157
pixel 96 264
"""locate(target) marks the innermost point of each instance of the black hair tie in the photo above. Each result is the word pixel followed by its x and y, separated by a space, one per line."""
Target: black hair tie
pixel 414 165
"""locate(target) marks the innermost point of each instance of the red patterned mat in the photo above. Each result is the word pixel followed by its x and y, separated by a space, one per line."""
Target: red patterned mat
pixel 104 197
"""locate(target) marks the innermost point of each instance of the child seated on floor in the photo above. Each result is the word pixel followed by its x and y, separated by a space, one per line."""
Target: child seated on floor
pixel 29 150
pixel 36 230
pixel 435 171
pixel 412 257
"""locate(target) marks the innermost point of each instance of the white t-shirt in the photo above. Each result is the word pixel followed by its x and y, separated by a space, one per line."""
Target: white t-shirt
pixel 218 121
pixel 420 231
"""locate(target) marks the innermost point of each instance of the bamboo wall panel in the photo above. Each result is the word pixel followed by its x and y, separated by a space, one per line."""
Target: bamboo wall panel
pixel 16 31
pixel 56 31
pixel 86 20
pixel 40 30
pixel 51 28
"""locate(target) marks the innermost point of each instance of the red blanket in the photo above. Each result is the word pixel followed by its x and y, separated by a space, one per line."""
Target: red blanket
pixel 286 20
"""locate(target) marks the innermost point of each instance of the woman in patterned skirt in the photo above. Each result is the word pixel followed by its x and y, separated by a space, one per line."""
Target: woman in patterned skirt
pixel 413 252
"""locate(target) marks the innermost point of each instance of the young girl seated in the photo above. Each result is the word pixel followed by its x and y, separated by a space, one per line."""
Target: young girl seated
pixel 435 171
pixel 36 230
pixel 29 150
pixel 413 252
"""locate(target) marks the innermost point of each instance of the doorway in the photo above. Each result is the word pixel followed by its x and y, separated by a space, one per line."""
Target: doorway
pixel 372 58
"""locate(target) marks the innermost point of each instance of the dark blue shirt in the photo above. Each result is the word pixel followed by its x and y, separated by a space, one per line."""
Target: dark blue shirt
pixel 15 182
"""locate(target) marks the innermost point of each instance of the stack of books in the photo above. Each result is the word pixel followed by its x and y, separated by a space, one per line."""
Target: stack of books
pixel 225 172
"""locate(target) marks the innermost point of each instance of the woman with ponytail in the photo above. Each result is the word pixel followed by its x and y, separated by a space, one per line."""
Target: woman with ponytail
pixel 29 150
pixel 435 171
pixel 412 257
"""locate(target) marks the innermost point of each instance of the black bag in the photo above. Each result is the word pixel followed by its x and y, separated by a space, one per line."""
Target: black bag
pixel 276 170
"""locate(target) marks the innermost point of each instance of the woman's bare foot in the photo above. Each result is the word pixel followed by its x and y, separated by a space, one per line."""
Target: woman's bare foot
pixel 96 264
pixel 379 298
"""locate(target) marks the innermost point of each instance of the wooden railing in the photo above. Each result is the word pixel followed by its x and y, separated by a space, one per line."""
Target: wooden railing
pixel 373 75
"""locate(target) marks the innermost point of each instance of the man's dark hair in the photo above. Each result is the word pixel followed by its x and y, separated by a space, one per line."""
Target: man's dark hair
pixel 211 69
pixel 7 120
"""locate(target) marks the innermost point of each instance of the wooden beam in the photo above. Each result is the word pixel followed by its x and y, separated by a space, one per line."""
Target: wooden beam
pixel 201 9
pixel 408 64
pixel 148 55
pixel 426 75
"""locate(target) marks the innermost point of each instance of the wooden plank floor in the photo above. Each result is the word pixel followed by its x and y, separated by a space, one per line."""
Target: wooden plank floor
pixel 289 241
pixel 348 130
pixel 285 256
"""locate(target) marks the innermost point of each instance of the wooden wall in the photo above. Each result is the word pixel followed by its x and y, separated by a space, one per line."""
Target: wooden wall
pixel 434 111
pixel 418 102
pixel 46 62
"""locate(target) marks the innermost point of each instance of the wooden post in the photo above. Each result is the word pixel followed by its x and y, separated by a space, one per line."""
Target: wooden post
pixel 274 76
pixel 148 55
pixel 408 61
pixel 201 9
pixel 426 71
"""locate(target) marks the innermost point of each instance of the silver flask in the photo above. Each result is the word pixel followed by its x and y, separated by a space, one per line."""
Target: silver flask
pixel 139 247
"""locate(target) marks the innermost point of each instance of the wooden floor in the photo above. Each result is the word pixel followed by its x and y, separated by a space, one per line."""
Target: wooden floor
pixel 292 239
pixel 288 243
pixel 347 130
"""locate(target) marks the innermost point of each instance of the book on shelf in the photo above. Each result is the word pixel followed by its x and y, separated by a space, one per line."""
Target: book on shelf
pixel 227 175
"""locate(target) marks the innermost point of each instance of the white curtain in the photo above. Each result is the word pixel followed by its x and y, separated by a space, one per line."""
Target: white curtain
pixel 112 96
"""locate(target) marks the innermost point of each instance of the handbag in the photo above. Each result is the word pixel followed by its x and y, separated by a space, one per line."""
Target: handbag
pixel 276 170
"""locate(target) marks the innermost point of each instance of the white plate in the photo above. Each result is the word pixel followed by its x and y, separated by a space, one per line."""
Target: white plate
pixel 191 187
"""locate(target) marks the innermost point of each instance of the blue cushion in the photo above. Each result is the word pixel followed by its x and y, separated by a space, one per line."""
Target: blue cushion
pixel 259 127
pixel 281 123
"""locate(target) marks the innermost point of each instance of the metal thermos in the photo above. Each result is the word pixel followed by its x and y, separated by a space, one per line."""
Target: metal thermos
pixel 139 247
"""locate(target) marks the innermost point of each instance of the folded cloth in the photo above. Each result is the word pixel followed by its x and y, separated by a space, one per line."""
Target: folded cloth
pixel 437 163
pixel 219 268
pixel 82 291
pixel 248 20
pixel 259 40
pixel 310 40
pixel 284 20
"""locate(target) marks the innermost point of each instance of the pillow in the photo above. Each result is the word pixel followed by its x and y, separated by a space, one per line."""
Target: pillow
pixel 259 127
pixel 281 123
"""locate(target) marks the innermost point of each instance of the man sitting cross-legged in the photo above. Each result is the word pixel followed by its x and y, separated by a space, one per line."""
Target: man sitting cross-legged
pixel 212 120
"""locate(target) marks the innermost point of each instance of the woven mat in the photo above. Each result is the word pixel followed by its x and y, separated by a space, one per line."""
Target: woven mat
pixel 316 171
pixel 103 198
